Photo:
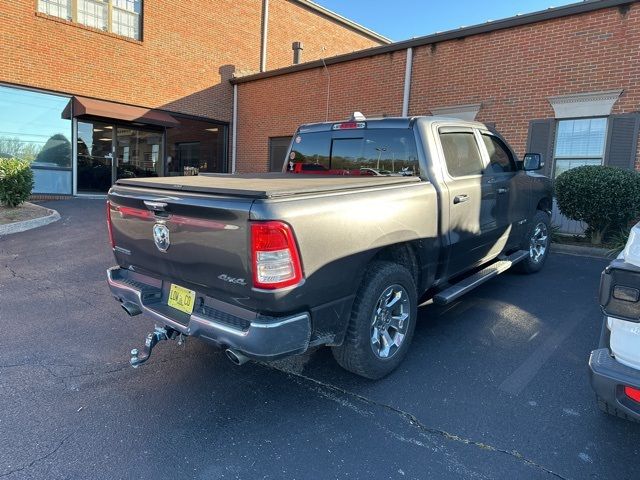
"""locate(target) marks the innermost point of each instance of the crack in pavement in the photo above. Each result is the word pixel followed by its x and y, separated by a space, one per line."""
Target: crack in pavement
pixel 412 420
pixel 37 459
pixel 117 367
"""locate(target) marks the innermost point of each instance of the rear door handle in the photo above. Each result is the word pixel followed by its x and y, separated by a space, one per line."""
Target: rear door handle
pixel 502 190
pixel 460 198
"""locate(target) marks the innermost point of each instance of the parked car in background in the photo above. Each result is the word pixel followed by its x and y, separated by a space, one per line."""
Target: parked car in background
pixel 327 253
pixel 615 365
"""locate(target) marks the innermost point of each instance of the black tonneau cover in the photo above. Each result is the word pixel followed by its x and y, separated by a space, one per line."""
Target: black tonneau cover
pixel 267 185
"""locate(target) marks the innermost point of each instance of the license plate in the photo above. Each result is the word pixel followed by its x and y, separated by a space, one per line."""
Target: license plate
pixel 182 298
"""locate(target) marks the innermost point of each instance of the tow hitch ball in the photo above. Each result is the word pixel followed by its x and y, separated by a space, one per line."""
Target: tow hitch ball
pixel 159 334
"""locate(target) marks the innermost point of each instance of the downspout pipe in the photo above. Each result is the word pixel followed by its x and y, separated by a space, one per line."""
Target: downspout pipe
pixel 407 83
pixel 234 129
pixel 265 35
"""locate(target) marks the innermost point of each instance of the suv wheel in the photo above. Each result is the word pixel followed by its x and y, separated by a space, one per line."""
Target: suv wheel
pixel 382 322
pixel 537 242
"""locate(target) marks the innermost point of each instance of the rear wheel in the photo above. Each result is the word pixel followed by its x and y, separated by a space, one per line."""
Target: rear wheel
pixel 382 322
pixel 537 242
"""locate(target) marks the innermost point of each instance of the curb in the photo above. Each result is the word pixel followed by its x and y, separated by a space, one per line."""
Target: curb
pixel 581 251
pixel 25 225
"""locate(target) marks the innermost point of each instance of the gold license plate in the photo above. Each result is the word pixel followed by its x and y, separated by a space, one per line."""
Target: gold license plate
pixel 182 298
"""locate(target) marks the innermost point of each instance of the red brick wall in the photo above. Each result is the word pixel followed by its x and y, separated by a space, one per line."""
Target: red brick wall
pixel 189 51
pixel 291 22
pixel 276 106
pixel 511 72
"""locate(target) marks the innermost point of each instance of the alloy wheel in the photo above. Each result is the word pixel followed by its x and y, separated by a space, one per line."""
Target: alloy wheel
pixel 390 321
pixel 539 242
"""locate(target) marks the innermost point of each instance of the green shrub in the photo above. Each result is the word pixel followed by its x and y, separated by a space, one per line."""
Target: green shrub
pixel 16 181
pixel 605 198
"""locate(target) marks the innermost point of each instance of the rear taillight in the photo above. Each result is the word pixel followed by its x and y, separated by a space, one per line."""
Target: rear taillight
pixel 274 253
pixel 109 226
pixel 632 393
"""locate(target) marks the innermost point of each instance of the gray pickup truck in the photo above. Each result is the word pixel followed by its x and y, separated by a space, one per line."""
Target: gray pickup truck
pixel 368 218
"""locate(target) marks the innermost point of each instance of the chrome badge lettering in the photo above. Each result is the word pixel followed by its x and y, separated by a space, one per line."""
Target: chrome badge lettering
pixel 161 237
pixel 236 281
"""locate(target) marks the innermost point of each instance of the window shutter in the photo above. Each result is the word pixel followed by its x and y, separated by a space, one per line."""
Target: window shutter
pixel 541 139
pixel 622 140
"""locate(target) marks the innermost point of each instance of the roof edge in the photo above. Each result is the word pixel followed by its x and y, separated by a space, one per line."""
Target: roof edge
pixel 552 13
pixel 344 20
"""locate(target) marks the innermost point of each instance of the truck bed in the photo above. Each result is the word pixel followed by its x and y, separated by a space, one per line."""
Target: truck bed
pixel 268 185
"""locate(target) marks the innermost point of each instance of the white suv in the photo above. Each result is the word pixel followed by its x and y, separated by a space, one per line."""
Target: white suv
pixel 615 366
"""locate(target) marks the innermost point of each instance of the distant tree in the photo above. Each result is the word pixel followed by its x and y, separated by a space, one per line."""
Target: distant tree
pixel 13 147
pixel 56 151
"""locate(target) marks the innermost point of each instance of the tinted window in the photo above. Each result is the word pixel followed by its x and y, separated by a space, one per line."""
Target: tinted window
pixel 500 159
pixel 311 149
pixel 357 151
pixel 195 146
pixel 461 153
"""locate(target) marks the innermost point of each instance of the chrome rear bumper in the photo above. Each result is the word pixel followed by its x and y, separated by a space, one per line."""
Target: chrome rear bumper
pixel 225 325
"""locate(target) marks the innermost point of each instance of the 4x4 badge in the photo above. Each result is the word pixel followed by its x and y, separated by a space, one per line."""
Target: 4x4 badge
pixel 161 237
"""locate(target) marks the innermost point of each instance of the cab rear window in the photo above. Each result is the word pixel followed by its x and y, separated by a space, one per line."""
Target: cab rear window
pixel 355 152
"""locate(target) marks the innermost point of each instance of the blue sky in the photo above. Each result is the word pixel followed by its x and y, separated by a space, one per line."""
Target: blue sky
pixel 402 19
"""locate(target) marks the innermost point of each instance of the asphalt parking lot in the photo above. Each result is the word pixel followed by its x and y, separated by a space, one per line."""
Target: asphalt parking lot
pixel 495 386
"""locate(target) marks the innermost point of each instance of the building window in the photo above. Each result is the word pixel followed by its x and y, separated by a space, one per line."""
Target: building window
pixel 579 142
pixel 122 17
pixel 195 146
pixel 57 8
pixel 126 18
pixel 93 13
pixel 32 129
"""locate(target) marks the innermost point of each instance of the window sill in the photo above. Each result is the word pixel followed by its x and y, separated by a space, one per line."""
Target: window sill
pixel 90 29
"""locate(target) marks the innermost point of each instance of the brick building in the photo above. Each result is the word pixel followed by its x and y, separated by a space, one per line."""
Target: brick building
pixel 564 82
pixel 92 90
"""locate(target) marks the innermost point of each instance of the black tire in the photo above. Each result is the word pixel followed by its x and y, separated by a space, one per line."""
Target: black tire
pixel 606 408
pixel 356 354
pixel 531 264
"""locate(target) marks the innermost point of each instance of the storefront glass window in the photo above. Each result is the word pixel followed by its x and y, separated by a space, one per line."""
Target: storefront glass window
pixel 139 153
pixel 195 146
pixel 32 128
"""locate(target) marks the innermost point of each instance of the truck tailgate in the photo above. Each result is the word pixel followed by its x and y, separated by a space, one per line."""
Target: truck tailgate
pixel 208 239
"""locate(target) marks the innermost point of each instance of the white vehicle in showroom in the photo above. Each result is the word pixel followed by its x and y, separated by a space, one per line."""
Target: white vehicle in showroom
pixel 615 365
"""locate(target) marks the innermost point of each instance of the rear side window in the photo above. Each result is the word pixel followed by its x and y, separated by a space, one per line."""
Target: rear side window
pixel 311 149
pixel 461 153
pixel 500 158
pixel 387 151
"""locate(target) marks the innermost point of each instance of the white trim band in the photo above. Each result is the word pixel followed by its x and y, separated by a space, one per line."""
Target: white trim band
pixel 462 112
pixel 591 104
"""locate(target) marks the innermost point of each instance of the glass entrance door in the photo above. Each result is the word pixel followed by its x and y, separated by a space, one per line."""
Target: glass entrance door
pixel 139 153
pixel 107 152
pixel 95 157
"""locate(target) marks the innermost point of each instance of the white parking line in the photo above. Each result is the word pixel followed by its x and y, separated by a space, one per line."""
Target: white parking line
pixel 527 371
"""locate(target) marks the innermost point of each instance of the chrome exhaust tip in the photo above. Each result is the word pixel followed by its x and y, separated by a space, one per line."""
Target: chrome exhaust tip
pixel 131 308
pixel 235 357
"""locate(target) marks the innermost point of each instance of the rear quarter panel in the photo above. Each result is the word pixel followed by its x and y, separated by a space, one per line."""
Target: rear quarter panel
pixel 339 234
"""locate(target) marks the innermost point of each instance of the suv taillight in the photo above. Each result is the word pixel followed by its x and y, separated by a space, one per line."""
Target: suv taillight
pixel 109 226
pixel 274 254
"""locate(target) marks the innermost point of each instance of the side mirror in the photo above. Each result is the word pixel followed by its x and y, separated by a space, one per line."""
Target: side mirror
pixel 532 161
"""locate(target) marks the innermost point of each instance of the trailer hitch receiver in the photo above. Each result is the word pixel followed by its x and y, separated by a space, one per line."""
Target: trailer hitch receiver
pixel 158 335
